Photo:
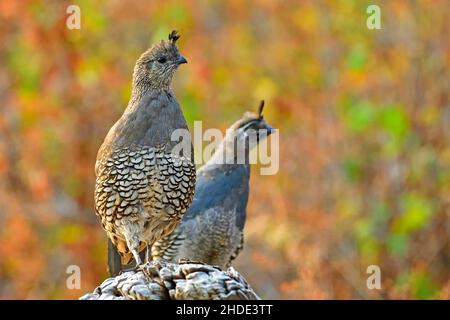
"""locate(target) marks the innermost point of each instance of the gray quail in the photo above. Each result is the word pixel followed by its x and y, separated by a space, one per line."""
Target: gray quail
pixel 212 229
pixel 142 187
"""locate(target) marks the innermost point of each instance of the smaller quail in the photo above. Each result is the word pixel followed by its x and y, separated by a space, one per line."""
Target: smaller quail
pixel 211 231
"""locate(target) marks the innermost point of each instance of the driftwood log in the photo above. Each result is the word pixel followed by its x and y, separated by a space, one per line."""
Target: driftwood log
pixel 188 280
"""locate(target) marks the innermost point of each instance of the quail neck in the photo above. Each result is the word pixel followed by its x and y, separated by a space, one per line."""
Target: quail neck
pixel 153 112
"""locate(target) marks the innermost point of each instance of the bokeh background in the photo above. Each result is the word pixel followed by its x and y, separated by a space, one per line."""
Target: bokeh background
pixel 363 117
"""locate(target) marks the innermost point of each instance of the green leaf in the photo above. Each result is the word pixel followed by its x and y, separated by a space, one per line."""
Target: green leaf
pixel 359 116
pixel 357 58
pixel 191 108
pixel 28 73
pixel 380 212
pixel 424 288
pixel 416 213
pixel 394 120
pixel 397 244
pixel 178 13
pixel 352 169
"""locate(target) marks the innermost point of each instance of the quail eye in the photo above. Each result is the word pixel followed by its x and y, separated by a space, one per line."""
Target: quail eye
pixel 162 60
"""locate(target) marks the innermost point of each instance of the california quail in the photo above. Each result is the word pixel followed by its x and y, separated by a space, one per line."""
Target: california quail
pixel 211 231
pixel 143 188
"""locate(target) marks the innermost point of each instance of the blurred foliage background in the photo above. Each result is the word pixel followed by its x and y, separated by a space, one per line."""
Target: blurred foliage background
pixel 363 118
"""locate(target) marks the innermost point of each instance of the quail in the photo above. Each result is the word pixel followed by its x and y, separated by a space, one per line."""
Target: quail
pixel 142 186
pixel 211 231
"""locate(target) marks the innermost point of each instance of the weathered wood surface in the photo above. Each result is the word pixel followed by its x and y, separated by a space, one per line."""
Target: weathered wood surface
pixel 160 280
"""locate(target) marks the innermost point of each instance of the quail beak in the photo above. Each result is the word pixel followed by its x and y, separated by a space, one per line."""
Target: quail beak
pixel 270 130
pixel 181 60
pixel 266 134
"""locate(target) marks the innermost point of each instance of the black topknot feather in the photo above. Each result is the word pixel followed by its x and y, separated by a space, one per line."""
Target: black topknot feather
pixel 174 36
pixel 260 109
